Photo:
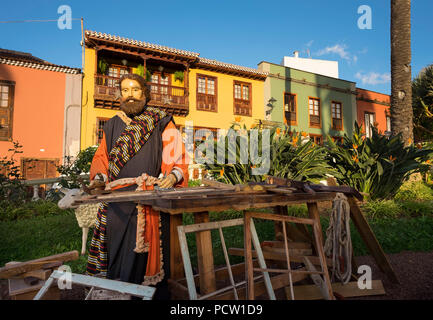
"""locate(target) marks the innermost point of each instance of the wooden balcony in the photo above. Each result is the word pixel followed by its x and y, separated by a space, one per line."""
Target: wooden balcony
pixel 171 99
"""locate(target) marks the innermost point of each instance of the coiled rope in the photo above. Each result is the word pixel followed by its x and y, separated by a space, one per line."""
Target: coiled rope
pixel 338 242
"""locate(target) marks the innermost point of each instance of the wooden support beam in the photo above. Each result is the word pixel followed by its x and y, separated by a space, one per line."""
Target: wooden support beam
pixel 42 263
pixel 205 255
pixel 269 255
pixel 370 240
pixel 176 264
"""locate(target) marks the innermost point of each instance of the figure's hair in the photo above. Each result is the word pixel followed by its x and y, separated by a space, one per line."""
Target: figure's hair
pixel 144 86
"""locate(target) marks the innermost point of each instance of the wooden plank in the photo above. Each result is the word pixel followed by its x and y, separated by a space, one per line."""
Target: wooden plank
pixel 113 285
pixel 192 292
pixel 277 217
pixel 261 260
pixel 221 273
pixel 217 184
pixel 278 256
pixel 313 212
pixel 247 253
pixel 236 202
pixel 370 240
pixel 176 264
pixel 312 292
pixel 290 244
pixel 295 251
pixel 18 268
pixel 205 256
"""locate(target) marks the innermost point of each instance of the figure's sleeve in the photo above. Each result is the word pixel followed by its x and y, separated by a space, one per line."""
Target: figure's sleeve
pixel 100 161
pixel 174 156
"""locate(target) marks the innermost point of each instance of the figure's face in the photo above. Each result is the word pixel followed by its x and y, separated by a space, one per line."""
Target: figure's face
pixel 133 99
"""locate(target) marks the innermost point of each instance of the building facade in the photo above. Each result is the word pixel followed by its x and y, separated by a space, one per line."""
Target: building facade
pixel 39 109
pixel 308 102
pixel 373 110
pixel 204 93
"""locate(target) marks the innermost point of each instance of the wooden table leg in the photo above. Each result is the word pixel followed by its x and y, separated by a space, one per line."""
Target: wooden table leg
pixel 176 264
pixel 249 272
pixel 205 256
pixel 370 240
pixel 313 212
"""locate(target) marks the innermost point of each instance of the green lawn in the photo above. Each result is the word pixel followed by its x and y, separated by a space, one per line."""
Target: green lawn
pixel 403 223
pixel 43 236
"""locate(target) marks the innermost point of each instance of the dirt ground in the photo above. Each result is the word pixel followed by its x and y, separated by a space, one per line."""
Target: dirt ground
pixel 414 270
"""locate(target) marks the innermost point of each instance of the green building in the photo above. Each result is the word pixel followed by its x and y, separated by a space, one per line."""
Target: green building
pixel 308 102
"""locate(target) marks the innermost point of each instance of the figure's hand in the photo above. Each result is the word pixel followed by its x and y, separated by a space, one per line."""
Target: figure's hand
pixel 97 183
pixel 168 181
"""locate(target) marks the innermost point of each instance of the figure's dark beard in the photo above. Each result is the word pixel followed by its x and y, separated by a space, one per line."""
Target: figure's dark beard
pixel 132 108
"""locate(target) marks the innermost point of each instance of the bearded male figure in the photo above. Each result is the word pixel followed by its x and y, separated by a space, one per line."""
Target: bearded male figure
pixel 138 140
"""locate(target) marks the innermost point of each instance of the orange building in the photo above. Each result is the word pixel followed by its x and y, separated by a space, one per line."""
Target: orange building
pixel 373 110
pixel 37 106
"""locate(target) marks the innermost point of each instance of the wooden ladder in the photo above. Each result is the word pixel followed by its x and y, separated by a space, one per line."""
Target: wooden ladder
pixel 250 235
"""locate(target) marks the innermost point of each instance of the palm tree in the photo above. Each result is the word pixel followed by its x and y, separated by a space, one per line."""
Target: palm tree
pixel 401 90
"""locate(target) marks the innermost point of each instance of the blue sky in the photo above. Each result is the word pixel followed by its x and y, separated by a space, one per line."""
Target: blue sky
pixel 238 32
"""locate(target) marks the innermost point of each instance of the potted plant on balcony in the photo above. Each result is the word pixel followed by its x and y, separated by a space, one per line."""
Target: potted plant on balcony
pixel 178 75
pixel 102 66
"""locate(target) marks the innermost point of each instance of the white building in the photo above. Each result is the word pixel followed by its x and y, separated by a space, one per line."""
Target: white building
pixel 322 67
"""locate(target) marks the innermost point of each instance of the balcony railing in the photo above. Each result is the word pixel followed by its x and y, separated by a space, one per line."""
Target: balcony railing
pixel 170 98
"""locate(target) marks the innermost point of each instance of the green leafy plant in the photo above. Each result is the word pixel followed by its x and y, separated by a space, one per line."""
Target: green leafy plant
pixel 102 66
pixel 73 169
pixel 179 75
pixel 291 157
pixel 139 70
pixel 12 189
pixel 148 75
pixel 377 165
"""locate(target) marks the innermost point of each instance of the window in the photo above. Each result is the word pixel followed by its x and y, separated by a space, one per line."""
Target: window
pixel 206 93
pixel 100 122
pixel 368 122
pixel 242 98
pixel 115 72
pixel 337 116
pixel 6 109
pixel 314 112
pixel 39 168
pixel 317 138
pixel 338 140
pixel 162 83
pixel 388 123
pixel 289 108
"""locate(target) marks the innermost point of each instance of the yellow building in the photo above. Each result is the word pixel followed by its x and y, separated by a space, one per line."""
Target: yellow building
pixel 198 91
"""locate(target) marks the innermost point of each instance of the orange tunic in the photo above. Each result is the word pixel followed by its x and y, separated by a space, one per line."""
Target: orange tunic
pixel 174 156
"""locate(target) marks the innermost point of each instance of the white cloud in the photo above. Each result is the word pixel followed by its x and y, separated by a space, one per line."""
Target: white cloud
pixel 373 78
pixel 337 49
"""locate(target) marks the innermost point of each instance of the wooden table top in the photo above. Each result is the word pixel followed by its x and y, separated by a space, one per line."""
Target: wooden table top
pixel 198 199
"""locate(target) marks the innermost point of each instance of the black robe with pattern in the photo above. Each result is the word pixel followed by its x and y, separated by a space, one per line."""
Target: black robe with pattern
pixel 123 263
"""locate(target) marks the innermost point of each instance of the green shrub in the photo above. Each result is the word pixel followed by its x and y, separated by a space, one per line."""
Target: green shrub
pixel 381 209
pixel 73 169
pixel 416 190
pixel 32 209
pixel 290 157
pixel 377 165
pixel 12 189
